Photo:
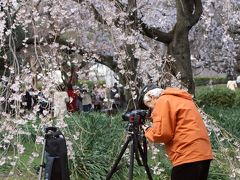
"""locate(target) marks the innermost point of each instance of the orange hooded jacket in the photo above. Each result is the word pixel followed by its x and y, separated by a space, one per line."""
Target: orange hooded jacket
pixel 178 124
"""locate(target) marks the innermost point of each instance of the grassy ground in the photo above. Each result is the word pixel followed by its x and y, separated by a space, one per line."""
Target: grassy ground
pixel 228 117
pixel 100 141
pixel 24 171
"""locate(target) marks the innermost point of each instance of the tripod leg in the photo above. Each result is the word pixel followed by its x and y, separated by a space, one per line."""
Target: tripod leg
pixel 132 152
pixel 145 148
pixel 113 169
pixel 135 139
pixel 42 160
pixel 144 159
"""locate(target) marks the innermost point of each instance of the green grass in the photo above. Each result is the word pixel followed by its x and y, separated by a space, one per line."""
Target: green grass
pixel 229 118
pixel 100 140
pixel 24 169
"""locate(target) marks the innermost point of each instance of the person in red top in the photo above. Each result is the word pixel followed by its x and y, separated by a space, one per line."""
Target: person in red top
pixel 177 123
pixel 71 105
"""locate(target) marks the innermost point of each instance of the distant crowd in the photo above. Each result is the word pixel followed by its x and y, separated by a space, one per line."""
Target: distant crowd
pixel 75 99
pixel 100 98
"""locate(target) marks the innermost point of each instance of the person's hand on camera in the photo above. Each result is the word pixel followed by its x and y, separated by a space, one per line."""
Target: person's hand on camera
pixel 145 127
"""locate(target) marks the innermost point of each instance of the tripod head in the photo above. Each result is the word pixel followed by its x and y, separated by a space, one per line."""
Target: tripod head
pixel 136 117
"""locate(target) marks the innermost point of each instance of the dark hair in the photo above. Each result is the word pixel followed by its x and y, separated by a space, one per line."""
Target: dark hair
pixel 144 90
pixel 84 90
pixel 61 87
pixel 70 86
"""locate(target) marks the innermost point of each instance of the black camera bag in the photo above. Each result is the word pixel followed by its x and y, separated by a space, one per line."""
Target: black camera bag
pixel 56 167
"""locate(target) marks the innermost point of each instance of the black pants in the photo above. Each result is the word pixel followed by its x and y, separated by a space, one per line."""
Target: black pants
pixel 191 171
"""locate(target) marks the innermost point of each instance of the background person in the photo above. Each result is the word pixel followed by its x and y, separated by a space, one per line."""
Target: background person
pixel 71 105
pixel 78 100
pixel 113 91
pixel 232 85
pixel 28 100
pixel 86 101
pixel 98 97
pixel 177 123
pixel 115 97
pixel 238 81
pixel 60 100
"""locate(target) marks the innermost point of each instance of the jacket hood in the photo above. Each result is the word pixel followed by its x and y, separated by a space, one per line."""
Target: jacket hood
pixel 177 92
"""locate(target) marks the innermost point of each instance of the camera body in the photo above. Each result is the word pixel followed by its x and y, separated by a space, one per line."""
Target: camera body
pixel 137 116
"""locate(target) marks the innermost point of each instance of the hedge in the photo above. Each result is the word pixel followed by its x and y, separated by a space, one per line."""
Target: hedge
pixel 218 96
pixel 203 81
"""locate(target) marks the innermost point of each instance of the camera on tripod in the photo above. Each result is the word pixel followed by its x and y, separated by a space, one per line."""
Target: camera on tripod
pixel 136 140
pixel 136 116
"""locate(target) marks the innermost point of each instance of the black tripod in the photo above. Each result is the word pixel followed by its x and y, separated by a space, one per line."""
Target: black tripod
pixel 135 135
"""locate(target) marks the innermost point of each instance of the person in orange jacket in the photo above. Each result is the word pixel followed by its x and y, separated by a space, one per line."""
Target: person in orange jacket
pixel 177 123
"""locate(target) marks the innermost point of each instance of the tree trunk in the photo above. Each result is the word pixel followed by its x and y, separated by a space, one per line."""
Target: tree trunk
pixel 179 49
pixel 188 14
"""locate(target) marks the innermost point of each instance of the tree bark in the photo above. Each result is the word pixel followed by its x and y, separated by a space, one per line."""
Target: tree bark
pixel 179 49
pixel 188 14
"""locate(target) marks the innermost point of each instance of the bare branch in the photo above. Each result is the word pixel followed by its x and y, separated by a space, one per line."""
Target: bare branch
pixel 78 1
pixel 156 34
pixel 191 11
pixel 97 15
pixel 197 13
pixel 119 5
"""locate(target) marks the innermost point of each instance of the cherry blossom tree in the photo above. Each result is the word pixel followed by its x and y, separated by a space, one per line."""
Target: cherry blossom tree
pixel 133 38
pixel 130 37
pixel 106 42
pixel 218 22
pixel 158 18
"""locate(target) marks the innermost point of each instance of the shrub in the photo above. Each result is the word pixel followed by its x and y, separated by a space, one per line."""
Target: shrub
pixel 216 97
pixel 203 81
pixel 237 99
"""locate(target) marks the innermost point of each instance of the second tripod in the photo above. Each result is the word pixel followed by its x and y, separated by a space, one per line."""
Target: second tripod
pixel 138 144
